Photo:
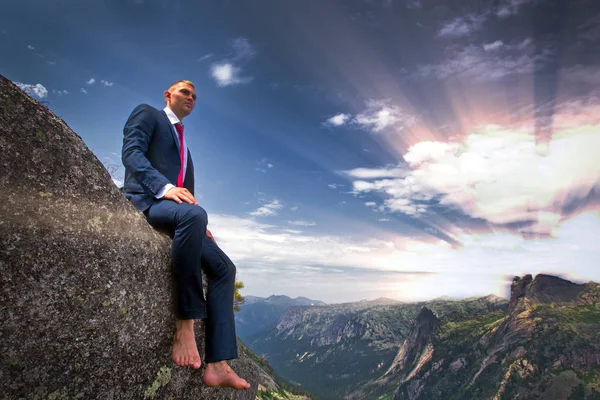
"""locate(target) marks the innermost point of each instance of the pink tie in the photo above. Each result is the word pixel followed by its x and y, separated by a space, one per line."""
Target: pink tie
pixel 179 128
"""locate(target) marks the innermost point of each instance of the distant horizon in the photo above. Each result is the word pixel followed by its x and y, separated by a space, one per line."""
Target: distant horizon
pixel 379 298
pixel 457 298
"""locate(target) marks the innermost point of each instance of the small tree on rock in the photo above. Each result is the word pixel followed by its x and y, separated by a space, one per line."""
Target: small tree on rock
pixel 238 299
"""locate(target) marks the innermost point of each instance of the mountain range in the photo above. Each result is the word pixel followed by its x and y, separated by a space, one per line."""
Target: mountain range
pixel 543 343
pixel 334 350
pixel 258 313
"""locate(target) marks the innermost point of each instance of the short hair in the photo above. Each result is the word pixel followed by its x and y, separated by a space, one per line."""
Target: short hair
pixel 182 81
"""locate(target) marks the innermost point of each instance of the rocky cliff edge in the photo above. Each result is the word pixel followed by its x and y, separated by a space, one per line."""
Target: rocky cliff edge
pixel 85 308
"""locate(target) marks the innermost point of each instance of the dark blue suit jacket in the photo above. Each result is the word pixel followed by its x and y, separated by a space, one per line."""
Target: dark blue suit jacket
pixel 151 156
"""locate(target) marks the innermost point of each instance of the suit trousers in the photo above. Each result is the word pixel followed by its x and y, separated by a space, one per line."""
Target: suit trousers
pixel 192 251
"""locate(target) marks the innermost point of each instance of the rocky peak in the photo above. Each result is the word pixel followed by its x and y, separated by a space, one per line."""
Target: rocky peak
pixel 544 289
pixel 426 322
pixel 415 345
pixel 517 291
pixel 419 338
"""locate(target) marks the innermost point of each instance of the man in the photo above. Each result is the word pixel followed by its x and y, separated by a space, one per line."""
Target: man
pixel 159 181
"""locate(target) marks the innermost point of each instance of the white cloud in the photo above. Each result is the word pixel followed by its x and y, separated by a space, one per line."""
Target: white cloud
pixel 405 206
pixel 381 115
pixel 295 208
pixel 475 63
pixel 370 204
pixel 30 47
pixel 38 89
pixel 423 152
pixel 265 162
pixel 497 174
pixel 91 81
pixel 372 173
pixel 493 46
pixel 302 223
pixel 227 74
pixel 60 92
pixel 511 7
pixel 205 57
pixel 82 90
pixel 229 71
pixel 338 120
pixel 106 83
pixel 243 49
pixel 468 24
pixel 377 117
pixel 334 185
pixel 462 26
pixel 524 43
pixel 223 73
pixel 260 250
pixel 264 165
pixel 268 209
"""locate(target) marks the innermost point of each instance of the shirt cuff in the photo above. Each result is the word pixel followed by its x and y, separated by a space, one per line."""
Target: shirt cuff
pixel 164 190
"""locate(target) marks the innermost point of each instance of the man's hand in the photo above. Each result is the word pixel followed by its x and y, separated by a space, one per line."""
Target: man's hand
pixel 209 235
pixel 179 195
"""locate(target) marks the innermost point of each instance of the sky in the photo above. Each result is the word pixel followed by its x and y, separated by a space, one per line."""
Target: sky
pixel 349 150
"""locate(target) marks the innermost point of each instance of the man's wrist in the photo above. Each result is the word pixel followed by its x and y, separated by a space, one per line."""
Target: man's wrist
pixel 161 193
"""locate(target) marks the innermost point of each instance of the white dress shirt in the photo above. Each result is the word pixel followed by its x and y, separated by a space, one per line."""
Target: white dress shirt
pixel 173 118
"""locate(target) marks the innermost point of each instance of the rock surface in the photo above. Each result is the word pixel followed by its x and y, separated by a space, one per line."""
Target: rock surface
pixel 415 344
pixel 544 289
pixel 85 307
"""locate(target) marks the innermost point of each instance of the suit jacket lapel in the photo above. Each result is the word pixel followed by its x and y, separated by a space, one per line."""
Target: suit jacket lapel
pixel 172 128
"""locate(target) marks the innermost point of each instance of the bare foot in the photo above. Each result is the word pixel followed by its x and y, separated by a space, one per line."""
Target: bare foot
pixel 220 374
pixel 185 351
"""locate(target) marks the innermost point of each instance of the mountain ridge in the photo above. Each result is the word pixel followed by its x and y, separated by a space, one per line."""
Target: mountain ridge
pixel 348 343
pixel 259 313
pixel 545 346
pixel 544 334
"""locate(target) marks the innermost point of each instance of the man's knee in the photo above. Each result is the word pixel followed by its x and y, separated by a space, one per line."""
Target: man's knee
pixel 196 216
pixel 231 270
pixel 227 269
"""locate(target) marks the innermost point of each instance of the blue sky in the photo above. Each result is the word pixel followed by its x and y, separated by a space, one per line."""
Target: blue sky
pixel 348 150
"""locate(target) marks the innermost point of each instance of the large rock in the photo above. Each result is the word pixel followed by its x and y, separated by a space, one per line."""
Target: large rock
pixel 544 289
pixel 85 305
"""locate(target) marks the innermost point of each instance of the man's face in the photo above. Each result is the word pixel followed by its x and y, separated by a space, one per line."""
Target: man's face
pixel 181 99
